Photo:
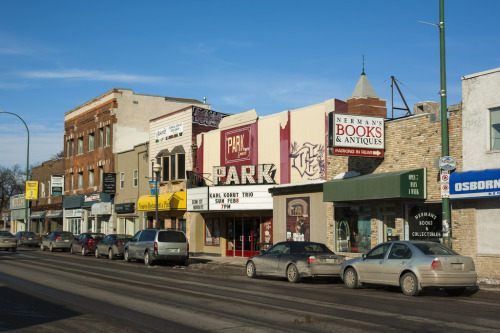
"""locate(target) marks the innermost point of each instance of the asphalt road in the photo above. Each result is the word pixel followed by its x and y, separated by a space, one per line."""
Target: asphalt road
pixel 60 292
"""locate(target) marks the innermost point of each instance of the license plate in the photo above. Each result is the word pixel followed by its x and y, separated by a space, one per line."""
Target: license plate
pixel 456 267
pixel 30 238
pixel 66 240
pixel 172 250
pixel 330 261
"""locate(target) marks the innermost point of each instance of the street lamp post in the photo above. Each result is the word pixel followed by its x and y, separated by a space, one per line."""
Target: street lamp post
pixel 156 170
pixel 27 167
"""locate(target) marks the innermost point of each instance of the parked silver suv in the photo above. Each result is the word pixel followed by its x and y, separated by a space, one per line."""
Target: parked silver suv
pixel 153 245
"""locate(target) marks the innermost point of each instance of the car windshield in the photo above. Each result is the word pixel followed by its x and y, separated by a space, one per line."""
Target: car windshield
pixel 435 249
pixel 94 236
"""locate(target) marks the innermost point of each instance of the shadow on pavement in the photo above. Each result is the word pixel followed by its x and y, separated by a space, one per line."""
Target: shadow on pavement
pixel 19 310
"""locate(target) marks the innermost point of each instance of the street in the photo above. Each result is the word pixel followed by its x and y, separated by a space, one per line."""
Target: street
pixel 60 292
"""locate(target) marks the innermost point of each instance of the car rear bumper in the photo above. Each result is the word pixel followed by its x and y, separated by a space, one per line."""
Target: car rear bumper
pixel 171 257
pixel 449 280
pixel 60 245
pixel 320 270
pixel 8 244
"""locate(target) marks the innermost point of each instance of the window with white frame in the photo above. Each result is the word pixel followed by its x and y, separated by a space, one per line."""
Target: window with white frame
pixel 91 141
pixel 122 179
pixel 495 128
pixel 136 178
pixel 91 178
pixel 80 145
pixel 80 180
pixel 42 189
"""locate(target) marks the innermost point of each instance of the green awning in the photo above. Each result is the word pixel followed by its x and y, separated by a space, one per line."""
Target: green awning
pixel 409 184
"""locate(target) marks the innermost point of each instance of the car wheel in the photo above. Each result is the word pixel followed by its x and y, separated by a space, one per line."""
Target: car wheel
pixel 292 274
pixel 71 250
pixel 51 248
pixel 251 272
pixel 409 284
pixel 42 247
pixel 84 251
pixel 351 278
pixel 111 254
pixel 126 256
pixel 147 259
pixel 97 252
pixel 455 291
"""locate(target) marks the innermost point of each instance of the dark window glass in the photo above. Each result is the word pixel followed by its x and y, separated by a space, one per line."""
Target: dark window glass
pixel 181 166
pixel 171 237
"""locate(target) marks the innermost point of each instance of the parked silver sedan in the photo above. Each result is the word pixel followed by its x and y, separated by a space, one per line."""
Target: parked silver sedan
pixel 412 265
pixel 8 241
pixel 112 246
pixel 295 260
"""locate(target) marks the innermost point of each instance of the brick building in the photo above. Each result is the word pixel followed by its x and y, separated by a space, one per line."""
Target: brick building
pixel 46 212
pixel 94 133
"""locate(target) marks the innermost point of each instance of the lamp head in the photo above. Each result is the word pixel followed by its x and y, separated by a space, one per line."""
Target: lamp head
pixel 156 168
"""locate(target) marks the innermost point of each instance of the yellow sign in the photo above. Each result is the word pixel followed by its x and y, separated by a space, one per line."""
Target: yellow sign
pixel 166 202
pixel 31 190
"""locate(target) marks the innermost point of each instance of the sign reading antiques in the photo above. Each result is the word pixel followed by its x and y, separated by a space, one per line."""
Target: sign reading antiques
pixel 244 174
pixel 364 135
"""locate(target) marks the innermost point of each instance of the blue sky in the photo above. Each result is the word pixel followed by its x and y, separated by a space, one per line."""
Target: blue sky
pixel 265 55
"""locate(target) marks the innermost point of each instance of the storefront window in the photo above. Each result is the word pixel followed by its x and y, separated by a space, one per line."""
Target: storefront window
pixel 212 232
pixel 425 222
pixel 353 229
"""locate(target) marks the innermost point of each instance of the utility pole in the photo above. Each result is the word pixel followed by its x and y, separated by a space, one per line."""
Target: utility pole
pixel 446 217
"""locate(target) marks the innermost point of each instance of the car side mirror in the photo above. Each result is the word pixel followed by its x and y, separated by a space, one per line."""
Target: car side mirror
pixel 363 256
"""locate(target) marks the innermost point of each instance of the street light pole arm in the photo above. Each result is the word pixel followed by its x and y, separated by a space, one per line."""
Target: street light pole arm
pixel 27 165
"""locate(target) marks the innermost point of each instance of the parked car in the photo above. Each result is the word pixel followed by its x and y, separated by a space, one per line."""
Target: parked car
pixel 27 238
pixel 57 240
pixel 8 241
pixel 86 242
pixel 112 245
pixel 411 265
pixel 152 245
pixel 295 260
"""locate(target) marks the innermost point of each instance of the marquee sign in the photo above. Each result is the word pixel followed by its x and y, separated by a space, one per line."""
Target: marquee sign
pixel 358 135
pixel 244 174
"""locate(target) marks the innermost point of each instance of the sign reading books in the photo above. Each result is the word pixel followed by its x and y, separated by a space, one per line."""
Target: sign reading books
pixel 358 135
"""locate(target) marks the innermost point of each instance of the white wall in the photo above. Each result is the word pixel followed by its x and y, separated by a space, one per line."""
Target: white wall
pixel 480 92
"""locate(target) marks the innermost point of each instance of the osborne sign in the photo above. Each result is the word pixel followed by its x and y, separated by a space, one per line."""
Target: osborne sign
pixel 358 135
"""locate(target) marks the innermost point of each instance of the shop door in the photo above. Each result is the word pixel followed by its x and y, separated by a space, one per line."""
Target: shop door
pixel 243 237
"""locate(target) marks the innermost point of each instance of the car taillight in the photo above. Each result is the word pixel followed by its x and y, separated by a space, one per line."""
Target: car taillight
pixel 156 246
pixel 22 237
pixel 118 243
pixel 58 239
pixel 312 259
pixel 436 265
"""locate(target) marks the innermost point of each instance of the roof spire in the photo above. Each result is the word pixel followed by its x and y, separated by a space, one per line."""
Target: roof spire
pixel 363 65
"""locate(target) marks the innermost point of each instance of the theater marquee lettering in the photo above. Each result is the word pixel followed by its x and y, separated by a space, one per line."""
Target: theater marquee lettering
pixel 244 174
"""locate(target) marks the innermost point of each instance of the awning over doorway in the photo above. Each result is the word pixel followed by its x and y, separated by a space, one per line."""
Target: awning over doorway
pixel 55 214
pixel 37 215
pixel 166 202
pixel 409 184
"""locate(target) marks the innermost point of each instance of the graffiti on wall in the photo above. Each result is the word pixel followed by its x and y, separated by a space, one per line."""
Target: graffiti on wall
pixel 308 160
